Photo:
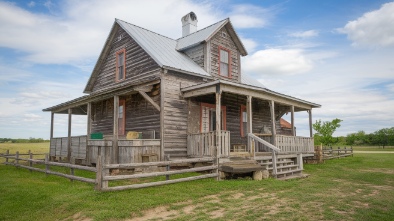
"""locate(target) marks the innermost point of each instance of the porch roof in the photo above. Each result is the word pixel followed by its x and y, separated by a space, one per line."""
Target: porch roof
pixel 243 89
pixel 79 105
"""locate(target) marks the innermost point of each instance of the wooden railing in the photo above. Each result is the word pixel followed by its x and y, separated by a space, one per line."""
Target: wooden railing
pixel 295 144
pixel 255 142
pixel 59 147
pixel 203 144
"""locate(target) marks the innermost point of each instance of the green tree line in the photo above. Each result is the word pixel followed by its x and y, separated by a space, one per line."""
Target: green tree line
pixel 20 140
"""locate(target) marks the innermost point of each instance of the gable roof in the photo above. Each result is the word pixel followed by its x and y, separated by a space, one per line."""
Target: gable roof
pixel 205 34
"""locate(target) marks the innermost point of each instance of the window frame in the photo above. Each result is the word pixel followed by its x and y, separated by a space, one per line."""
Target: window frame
pixel 241 121
pixel 122 51
pixel 122 127
pixel 229 61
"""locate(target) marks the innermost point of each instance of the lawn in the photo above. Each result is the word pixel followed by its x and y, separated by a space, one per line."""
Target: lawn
pixel 352 188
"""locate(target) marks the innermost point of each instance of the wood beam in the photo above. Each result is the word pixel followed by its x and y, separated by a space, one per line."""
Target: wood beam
pixel 200 92
pixel 88 130
pixel 310 123
pixel 69 135
pixel 143 94
pixel 273 126
pixel 249 113
pixel 218 120
pixel 52 124
pixel 162 95
pixel 292 121
pixel 115 130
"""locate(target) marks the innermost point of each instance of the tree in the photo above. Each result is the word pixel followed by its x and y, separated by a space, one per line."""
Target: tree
pixel 326 129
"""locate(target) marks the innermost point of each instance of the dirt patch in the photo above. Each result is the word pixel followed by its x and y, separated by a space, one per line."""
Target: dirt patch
pixel 158 213
pixel 79 217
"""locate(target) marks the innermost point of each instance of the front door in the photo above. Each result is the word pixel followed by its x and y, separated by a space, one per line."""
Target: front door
pixel 122 117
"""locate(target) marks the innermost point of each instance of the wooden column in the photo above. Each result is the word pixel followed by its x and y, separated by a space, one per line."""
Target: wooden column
pixel 310 123
pixel 249 120
pixel 115 150
pixel 293 132
pixel 52 123
pixel 162 95
pixel 273 126
pixel 69 135
pixel 218 119
pixel 88 131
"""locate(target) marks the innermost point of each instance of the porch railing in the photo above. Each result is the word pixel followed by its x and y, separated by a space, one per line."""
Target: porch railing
pixel 203 144
pixel 295 144
pixel 59 147
pixel 256 143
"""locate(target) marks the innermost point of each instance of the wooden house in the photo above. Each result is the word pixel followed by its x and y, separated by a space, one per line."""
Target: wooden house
pixel 182 98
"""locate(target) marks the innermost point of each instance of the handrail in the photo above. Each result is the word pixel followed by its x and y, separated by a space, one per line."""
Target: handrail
pixel 250 135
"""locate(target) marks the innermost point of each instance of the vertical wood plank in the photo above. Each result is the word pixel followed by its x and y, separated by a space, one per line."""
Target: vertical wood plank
pixel 7 153
pixel 88 131
pixel 162 109
pixel 17 158
pixel 52 127
pixel 69 136
pixel 218 116
pixel 46 164
pixel 293 132
pixel 310 123
pixel 30 157
pixel 115 130
pixel 249 121
pixel 273 126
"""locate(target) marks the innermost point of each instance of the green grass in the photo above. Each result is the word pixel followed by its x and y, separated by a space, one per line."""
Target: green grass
pixel 373 148
pixel 352 188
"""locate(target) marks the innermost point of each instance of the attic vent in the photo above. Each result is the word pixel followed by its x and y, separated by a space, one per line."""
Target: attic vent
pixel 224 34
pixel 120 37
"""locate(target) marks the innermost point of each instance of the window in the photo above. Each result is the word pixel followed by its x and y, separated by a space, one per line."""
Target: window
pixel 208 117
pixel 121 118
pixel 224 66
pixel 244 121
pixel 121 65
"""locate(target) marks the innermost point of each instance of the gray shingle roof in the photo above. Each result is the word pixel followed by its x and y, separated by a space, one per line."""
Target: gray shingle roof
pixel 162 49
pixel 199 36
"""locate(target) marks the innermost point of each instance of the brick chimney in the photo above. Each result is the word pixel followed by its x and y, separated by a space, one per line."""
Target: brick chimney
pixel 189 24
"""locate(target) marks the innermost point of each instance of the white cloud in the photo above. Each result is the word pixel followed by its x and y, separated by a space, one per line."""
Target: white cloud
pixel 373 29
pixel 249 16
pixel 249 44
pixel 31 4
pixel 277 61
pixel 304 34
pixel 390 87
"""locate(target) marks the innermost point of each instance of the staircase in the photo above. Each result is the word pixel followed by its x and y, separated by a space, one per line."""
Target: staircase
pixel 287 166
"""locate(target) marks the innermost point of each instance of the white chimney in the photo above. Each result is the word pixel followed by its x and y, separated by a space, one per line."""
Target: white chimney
pixel 189 24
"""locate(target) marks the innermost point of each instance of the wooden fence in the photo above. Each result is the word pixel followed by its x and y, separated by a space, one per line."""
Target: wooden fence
pixel 30 162
pixel 331 153
pixel 103 169
pixel 295 144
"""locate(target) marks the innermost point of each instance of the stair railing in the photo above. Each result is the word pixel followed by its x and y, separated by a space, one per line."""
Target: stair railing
pixel 252 139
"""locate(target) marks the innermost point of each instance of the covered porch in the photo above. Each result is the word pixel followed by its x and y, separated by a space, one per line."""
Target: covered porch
pixel 242 120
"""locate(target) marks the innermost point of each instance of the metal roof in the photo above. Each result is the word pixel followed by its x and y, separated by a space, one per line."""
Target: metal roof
pixel 162 49
pixel 199 36
pixel 252 82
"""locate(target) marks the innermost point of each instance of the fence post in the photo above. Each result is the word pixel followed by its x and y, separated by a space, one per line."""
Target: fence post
pixel 168 166
pixel 339 151
pixel 300 162
pixel 46 164
pixel 30 162
pixel 105 159
pixel 99 172
pixel 274 169
pixel 217 163
pixel 72 173
pixel 17 158
pixel 351 150
pixel 345 150
pixel 7 153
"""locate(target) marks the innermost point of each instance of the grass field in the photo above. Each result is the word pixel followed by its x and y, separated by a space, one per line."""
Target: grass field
pixel 352 188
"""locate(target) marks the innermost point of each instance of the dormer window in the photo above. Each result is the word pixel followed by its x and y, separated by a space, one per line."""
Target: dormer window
pixel 120 65
pixel 224 62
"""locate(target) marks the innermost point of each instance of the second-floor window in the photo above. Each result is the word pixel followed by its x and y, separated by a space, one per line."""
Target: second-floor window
pixel 224 64
pixel 121 65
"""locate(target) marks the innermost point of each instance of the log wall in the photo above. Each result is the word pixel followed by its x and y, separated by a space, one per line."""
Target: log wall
pixel 139 65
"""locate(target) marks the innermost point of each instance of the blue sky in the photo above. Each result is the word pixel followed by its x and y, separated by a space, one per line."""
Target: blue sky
pixel 335 53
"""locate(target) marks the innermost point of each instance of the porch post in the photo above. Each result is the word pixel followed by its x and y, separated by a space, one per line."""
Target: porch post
pixel 218 120
pixel 293 132
pixel 88 131
pixel 162 95
pixel 249 120
pixel 310 123
pixel 52 123
pixel 273 126
pixel 115 151
pixel 69 135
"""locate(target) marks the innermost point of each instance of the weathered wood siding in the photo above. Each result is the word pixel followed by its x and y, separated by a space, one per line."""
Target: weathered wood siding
pixel 139 65
pixel 196 54
pixel 141 116
pixel 224 41
pixel 176 113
